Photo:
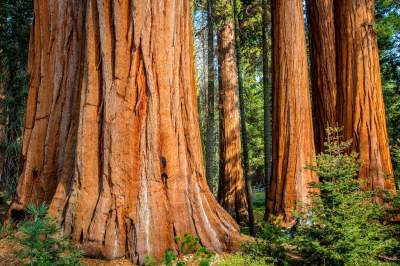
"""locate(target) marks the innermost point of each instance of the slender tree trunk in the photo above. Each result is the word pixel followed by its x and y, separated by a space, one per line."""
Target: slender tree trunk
pixel 243 127
pixel 397 77
pixel 3 83
pixel 210 134
pixel 323 67
pixel 360 104
pixel 201 78
pixel 267 102
pixel 15 25
pixel 3 77
pixel 293 137
pixel 112 140
pixel 232 186
pixel 396 73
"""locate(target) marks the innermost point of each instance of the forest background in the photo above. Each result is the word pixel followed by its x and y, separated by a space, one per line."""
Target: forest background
pixel 16 17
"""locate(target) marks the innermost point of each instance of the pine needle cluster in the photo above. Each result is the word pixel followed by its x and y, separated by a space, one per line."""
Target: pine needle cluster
pixel 40 241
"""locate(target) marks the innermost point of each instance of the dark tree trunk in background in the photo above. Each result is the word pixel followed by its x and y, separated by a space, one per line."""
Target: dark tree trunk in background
pixel 396 73
pixel 360 105
pixel 112 139
pixel 243 126
pixel 293 138
pixel 3 77
pixel 267 101
pixel 15 25
pixel 202 73
pixel 323 67
pixel 232 185
pixel 210 133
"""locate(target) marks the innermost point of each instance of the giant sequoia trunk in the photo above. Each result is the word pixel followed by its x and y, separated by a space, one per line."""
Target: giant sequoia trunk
pixel 323 62
pixel 293 139
pixel 232 187
pixel 360 103
pixel 111 140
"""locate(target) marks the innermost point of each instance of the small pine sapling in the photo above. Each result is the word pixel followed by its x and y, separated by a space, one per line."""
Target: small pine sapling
pixel 41 241
pixel 343 224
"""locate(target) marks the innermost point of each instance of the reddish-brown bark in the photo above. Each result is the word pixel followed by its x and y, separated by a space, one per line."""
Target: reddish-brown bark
pixel 232 186
pixel 323 67
pixel 293 139
pixel 360 104
pixel 112 139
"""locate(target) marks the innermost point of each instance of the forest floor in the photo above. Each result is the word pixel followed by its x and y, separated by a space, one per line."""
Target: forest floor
pixel 94 262
pixel 7 257
pixel 259 206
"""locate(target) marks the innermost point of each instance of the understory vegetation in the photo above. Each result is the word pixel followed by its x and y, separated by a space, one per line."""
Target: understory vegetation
pixel 189 251
pixel 37 240
pixel 343 224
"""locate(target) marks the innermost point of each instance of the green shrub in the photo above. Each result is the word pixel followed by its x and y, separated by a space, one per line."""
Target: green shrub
pixel 41 242
pixel 343 225
pixel 169 258
pixel 270 245
pixel 240 259
pixel 5 231
pixel 189 250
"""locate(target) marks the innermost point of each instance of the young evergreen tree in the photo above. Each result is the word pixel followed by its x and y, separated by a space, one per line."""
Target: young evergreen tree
pixel 40 242
pixel 344 225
